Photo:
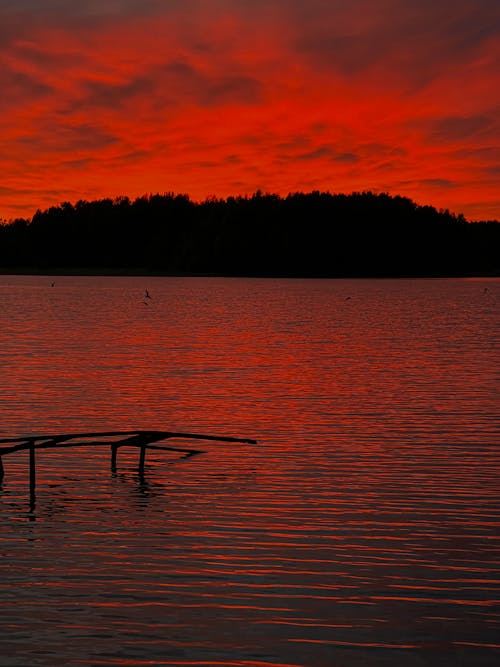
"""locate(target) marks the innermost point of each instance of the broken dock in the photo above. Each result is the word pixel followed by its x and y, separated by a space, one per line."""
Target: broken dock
pixel 143 440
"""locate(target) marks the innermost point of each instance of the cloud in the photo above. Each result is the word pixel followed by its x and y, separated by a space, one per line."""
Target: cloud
pixel 484 154
pixel 19 87
pixel 493 170
pixel 453 128
pixel 347 158
pixel 179 80
pixel 55 137
pixel 317 153
pixel 112 95
pixel 204 96
pixel 438 183
pixel 173 85
pixel 92 8
pixel 327 152
pixel 409 41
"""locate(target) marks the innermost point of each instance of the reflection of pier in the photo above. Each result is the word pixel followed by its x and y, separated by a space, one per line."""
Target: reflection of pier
pixel 113 439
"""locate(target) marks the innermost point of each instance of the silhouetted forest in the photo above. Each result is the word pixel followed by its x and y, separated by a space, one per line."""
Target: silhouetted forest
pixel 314 234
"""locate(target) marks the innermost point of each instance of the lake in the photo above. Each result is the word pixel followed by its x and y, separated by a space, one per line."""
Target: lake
pixel 361 529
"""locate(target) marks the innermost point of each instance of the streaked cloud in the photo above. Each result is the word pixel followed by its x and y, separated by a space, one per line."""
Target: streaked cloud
pixel 453 128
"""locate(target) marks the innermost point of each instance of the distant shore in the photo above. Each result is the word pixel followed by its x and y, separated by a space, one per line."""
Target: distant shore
pixel 309 235
pixel 112 272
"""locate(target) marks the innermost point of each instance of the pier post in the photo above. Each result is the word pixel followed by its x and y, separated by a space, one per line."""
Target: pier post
pixel 114 449
pixel 1 469
pixel 32 472
pixel 142 459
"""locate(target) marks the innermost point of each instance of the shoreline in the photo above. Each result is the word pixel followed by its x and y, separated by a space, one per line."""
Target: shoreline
pixel 142 272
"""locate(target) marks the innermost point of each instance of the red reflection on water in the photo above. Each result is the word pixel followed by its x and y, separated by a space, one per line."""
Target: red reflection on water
pixel 373 489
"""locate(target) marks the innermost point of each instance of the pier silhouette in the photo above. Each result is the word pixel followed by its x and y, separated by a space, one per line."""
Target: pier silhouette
pixel 143 440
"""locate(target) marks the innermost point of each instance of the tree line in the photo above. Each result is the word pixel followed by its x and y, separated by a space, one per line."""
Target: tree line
pixel 315 234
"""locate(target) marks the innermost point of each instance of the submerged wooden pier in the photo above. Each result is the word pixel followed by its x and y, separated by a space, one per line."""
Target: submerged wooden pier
pixel 142 440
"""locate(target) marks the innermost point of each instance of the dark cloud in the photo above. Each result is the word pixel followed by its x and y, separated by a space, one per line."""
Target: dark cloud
pixel 438 182
pixel 113 95
pixel 173 85
pixel 327 152
pixel 378 155
pixel 380 149
pixel 19 89
pixel 231 90
pixel 482 154
pixel 20 18
pixel 348 158
pixel 317 153
pixel 296 142
pixel 6 190
pixel 127 157
pixel 39 55
pixel 482 210
pixel 83 163
pixel 88 8
pixel 55 136
pixel 492 170
pixel 413 41
pixel 181 80
pixel 457 128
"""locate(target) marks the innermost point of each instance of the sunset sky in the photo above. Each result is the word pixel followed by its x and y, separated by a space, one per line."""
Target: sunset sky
pixel 223 97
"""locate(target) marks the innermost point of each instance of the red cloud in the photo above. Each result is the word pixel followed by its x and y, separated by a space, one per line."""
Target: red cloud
pixel 228 97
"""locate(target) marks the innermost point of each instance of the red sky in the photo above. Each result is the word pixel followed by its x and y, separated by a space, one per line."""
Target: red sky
pixel 223 97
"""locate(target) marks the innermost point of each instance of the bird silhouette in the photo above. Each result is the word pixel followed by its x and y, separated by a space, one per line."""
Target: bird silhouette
pixel 147 295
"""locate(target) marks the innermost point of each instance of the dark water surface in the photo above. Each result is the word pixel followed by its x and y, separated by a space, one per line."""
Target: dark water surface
pixel 363 527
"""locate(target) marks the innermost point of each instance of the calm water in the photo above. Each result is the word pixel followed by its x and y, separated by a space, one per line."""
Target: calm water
pixel 363 527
